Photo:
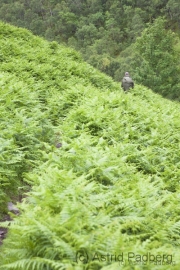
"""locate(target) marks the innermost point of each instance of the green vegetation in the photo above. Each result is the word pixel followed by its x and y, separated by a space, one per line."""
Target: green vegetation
pixel 105 33
pixel 159 68
pixel 112 187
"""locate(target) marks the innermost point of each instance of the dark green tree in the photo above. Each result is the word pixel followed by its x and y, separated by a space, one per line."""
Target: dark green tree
pixel 173 10
pixel 159 67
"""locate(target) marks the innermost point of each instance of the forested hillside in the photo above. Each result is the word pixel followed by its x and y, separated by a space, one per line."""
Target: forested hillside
pixel 105 31
pixel 98 169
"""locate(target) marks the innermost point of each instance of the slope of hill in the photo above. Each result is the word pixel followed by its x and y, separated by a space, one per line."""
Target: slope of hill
pixel 102 168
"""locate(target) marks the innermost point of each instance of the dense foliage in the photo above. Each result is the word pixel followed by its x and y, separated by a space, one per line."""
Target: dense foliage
pixel 27 121
pixel 104 166
pixel 103 31
pixel 159 68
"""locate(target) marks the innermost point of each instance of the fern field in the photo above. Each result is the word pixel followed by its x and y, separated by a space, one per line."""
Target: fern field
pixel 99 170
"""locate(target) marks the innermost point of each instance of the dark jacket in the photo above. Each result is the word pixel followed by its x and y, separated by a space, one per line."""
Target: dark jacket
pixel 127 83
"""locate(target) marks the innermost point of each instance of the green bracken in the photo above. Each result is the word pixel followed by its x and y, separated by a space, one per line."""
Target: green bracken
pixel 108 196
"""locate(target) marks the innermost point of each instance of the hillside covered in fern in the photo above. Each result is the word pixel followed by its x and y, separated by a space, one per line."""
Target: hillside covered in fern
pixel 98 169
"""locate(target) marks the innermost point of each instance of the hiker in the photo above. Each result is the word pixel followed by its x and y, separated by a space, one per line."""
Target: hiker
pixel 127 82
